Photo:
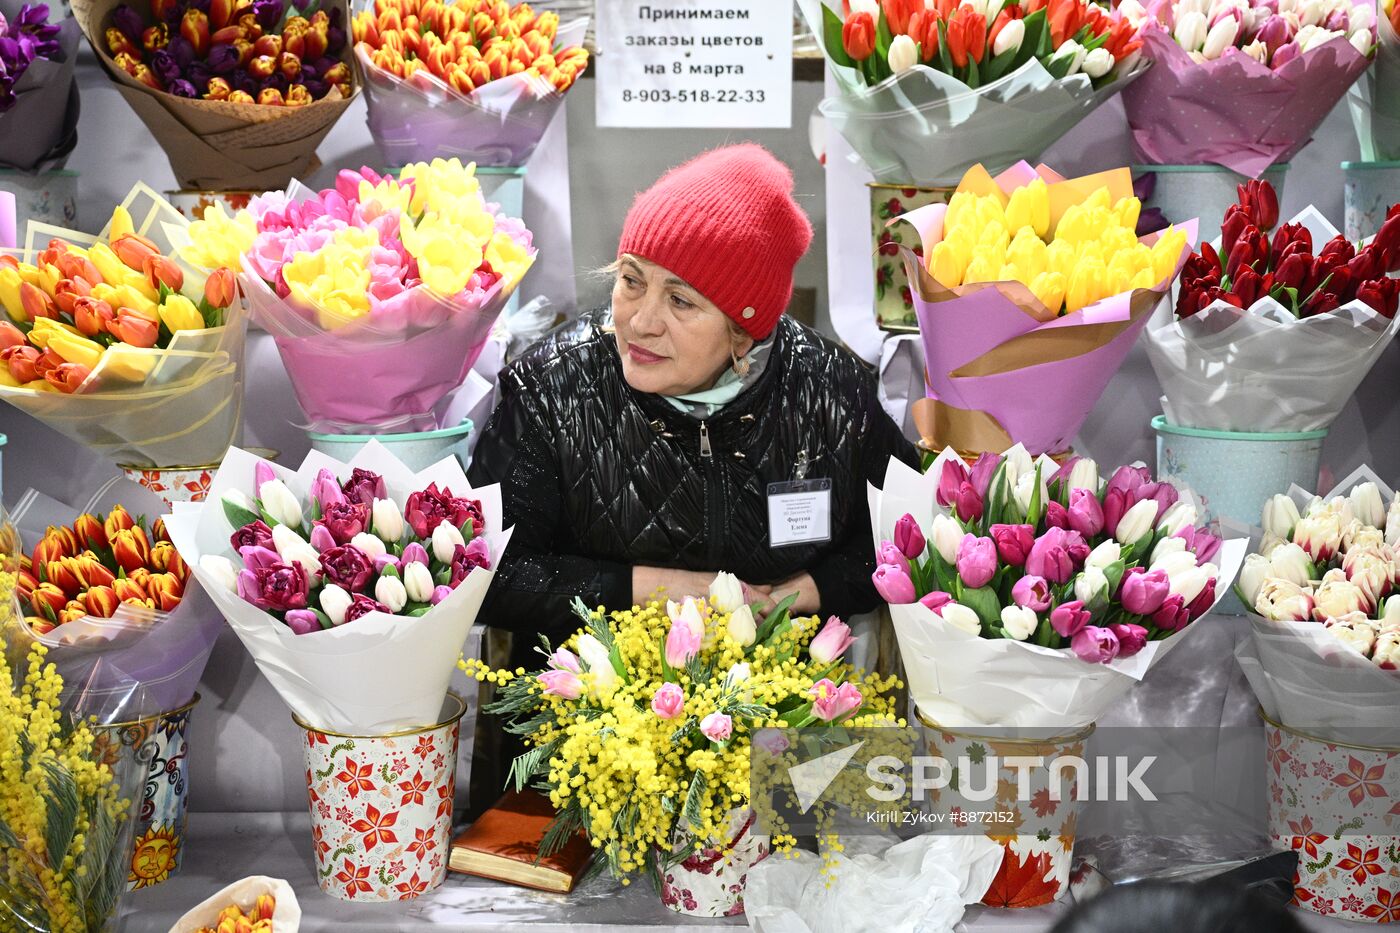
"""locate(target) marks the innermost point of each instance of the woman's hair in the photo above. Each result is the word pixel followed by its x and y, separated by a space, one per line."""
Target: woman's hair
pixel 1156 907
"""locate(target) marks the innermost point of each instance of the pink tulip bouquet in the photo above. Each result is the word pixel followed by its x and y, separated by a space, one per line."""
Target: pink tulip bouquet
pixel 1322 587
pixel 355 606
pixel 396 278
pixel 1242 83
pixel 1030 594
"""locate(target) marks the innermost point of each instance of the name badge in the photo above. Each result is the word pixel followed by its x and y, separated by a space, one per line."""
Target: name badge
pixel 799 512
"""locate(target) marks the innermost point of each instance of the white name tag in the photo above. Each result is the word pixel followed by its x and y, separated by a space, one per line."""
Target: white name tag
pixel 799 512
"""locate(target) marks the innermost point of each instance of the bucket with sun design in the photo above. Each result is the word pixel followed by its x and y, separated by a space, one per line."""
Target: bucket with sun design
pixel 152 754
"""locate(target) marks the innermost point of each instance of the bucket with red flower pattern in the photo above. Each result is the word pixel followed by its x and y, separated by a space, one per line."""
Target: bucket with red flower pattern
pixel 710 882
pixel 381 807
pixel 174 484
pixel 194 203
pixel 894 303
pixel 1035 826
pixel 1332 803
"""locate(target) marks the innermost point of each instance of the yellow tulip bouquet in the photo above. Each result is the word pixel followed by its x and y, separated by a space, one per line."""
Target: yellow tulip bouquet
pixel 395 281
pixel 1030 291
pixel 115 342
pixel 641 726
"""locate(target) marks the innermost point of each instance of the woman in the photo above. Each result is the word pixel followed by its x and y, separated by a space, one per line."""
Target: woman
pixel 639 449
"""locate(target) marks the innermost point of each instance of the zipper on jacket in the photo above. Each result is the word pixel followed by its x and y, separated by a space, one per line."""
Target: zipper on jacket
pixel 705 450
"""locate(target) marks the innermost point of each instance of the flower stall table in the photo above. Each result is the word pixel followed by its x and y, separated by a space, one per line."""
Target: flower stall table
pixel 224 847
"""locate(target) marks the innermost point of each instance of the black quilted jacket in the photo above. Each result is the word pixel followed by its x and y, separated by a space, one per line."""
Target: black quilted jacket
pixel 597 477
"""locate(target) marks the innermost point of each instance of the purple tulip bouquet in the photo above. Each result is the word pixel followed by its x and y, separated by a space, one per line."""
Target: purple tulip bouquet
pixel 38 94
pixel 1025 593
pixel 354 606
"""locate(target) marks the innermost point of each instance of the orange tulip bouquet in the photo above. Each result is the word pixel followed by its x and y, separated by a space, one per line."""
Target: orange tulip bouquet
pixel 117 343
pixel 479 80
pixel 113 603
pixel 928 90
pixel 237 92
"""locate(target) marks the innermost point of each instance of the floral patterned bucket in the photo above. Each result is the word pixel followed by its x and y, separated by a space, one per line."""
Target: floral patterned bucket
pixel 42 197
pixel 156 749
pixel 381 807
pixel 193 203
pixel 175 484
pixel 1369 192
pixel 709 884
pixel 1037 836
pixel 894 305
pixel 1321 795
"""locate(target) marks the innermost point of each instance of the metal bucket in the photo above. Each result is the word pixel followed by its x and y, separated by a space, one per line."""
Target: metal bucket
pixel 1370 189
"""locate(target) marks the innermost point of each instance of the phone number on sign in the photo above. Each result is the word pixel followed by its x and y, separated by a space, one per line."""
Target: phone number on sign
pixel 706 96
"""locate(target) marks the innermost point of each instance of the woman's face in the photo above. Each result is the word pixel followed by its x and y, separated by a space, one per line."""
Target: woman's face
pixel 672 340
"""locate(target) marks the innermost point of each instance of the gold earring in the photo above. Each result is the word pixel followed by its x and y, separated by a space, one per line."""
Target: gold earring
pixel 741 367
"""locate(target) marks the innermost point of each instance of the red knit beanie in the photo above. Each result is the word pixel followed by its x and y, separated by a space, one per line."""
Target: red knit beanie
pixel 726 223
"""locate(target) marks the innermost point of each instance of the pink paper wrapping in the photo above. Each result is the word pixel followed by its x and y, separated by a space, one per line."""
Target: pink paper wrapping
pixel 380 372
pixel 1233 111
pixel 977 363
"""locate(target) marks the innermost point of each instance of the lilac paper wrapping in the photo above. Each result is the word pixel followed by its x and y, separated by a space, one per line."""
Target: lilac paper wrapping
pixel 1233 111
pixel 498 124
pixel 138 663
pixel 364 379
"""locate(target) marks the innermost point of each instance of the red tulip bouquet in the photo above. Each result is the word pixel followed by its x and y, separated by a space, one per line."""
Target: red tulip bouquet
pixel 1275 328
pixel 929 90
pixel 352 585
pixel 1031 595
pixel 117 343
pixel 113 602
pixel 1243 85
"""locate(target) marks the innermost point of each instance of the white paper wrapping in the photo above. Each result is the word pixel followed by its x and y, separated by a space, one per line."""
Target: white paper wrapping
pixel 285 919
pixel 960 680
pixel 379 673
pixel 921 884
pixel 1308 680
pixel 1262 369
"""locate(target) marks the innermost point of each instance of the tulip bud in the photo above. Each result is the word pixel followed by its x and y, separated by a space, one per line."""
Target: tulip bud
pixel 726 593
pixel 741 626
pixel 1136 522
pixel 1290 562
pixel 194 27
pixel 418 582
pixel 1191 31
pixel 903 54
pixel 334 603
pixel 1107 553
pixel 387 520
pixel 1366 504
pixel 219 288
pixel 101 601
pixel 960 617
pixel 445 541
pixel 1009 38
pixel 280 503
pixel 1220 37
pixel 370 545
pixel 390 591
pixel 1018 622
pixel 166 590
pixel 219 571
pixel 1280 516
pixel 130 548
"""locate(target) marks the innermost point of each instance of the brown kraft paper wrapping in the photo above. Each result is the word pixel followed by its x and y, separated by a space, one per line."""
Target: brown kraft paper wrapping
pixel 216 145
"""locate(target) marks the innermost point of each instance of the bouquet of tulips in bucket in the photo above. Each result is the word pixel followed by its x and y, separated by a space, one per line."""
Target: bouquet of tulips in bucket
pixel 237 92
pixel 1242 84
pixel 352 585
pixel 477 79
pixel 1029 280
pixel 1375 98
pixel 928 90
pixel 111 599
pixel 1276 326
pixel 114 342
pixel 1029 594
pixel 38 89
pixel 400 277
pixel 1325 615
pixel 687 688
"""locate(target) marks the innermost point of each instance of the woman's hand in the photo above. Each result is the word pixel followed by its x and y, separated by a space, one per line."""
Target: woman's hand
pixel 678 584
pixel 808 599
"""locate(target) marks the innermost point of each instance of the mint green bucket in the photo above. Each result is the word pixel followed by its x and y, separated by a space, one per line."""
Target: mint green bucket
pixel 1370 189
pixel 417 450
pixel 1203 192
pixel 1234 473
